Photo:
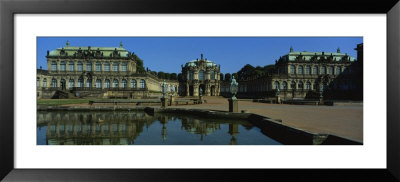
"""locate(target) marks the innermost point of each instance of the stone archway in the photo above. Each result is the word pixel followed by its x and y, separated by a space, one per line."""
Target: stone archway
pixel 213 90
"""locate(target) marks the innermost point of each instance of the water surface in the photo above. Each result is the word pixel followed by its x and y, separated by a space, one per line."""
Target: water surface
pixel 140 128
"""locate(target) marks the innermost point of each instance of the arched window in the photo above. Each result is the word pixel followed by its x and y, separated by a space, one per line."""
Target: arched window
pixel 106 66
pixel 98 83
pixel 315 70
pixel 212 75
pixel 54 83
pixel 124 67
pixel 80 82
pixel 300 70
pixel 88 66
pixel 301 86
pixel 338 70
pixel 315 86
pixel 62 66
pixel 124 83
pixel 276 85
pixel 71 83
pixel 293 85
pixel 191 75
pixel 44 82
pixel 107 83
pixel 142 83
pixel 115 83
pixel 115 66
pixel 89 83
pixel 133 83
pixel 80 66
pixel 308 86
pixel 53 66
pixel 71 66
pixel 201 75
pixel 330 70
pixel 308 69
pixel 292 69
pixel 323 70
pixel 98 66
pixel 284 85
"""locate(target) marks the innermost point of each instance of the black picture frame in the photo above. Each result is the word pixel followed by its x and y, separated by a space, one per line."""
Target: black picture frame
pixel 8 8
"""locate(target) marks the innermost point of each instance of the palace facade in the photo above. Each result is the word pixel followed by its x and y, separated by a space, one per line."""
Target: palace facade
pixel 200 74
pixel 299 75
pixel 101 72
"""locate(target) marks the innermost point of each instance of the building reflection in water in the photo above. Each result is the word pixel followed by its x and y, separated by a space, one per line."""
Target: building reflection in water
pixel 121 128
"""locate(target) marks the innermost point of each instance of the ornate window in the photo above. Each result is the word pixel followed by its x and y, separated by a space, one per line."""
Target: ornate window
pixel 107 83
pixel 276 85
pixel 300 70
pixel 80 82
pixel 80 66
pixel 115 66
pixel 53 66
pixel 292 69
pixel 98 83
pixel 293 85
pixel 71 66
pixel 308 69
pixel 89 83
pixel 315 70
pixel 133 83
pixel 301 86
pixel 88 66
pixel 71 83
pixel 37 82
pixel 201 75
pixel 62 66
pixel 106 66
pixel 330 70
pixel 212 75
pixel 54 83
pixel 338 70
pixel 142 83
pixel 308 86
pixel 124 67
pixel 124 83
pixel 98 66
pixel 44 82
pixel 284 85
pixel 191 75
pixel 323 70
pixel 115 83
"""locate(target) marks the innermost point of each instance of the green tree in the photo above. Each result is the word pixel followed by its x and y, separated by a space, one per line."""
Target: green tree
pixel 161 75
pixel 173 76
pixel 245 72
pixel 227 76
pixel 139 64
pixel 221 76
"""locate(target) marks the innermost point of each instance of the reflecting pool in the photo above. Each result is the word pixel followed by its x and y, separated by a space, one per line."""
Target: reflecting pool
pixel 140 128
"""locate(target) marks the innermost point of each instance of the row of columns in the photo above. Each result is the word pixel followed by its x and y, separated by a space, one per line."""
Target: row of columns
pixel 207 75
pixel 296 69
pixel 94 79
pixel 129 66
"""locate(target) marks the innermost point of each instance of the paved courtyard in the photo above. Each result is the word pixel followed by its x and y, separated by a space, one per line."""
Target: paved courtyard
pixel 344 120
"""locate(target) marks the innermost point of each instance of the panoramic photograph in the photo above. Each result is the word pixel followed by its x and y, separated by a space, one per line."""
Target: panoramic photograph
pixel 199 91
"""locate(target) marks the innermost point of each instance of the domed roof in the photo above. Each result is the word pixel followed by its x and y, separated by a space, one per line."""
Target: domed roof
pixel 194 63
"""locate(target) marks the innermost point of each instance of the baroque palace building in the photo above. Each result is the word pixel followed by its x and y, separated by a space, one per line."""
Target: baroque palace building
pixel 299 75
pixel 200 74
pixel 102 72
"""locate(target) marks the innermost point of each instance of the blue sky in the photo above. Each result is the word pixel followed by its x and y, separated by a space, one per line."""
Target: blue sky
pixel 232 53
